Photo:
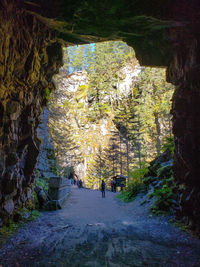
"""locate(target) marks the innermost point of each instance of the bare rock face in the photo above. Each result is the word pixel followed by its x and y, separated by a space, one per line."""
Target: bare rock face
pixel 46 157
pixel 29 56
pixel 184 72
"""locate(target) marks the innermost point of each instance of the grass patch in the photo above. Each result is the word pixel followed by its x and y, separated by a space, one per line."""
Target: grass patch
pixel 126 197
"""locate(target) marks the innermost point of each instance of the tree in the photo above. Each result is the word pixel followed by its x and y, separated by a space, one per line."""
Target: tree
pixel 153 107
pixel 104 129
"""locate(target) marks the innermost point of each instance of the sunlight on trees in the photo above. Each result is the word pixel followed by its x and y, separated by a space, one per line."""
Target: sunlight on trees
pixel 108 115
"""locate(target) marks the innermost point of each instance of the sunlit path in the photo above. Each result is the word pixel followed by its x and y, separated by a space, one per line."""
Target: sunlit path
pixel 91 231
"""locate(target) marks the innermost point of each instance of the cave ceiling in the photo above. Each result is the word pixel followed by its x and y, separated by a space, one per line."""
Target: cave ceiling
pixel 144 25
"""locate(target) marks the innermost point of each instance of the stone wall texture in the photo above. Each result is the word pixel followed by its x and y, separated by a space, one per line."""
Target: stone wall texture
pixel 46 158
pixel 163 33
pixel 29 56
pixel 184 72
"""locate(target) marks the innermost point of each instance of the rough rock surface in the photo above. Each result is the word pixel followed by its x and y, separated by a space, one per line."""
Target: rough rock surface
pixel 46 158
pixel 163 33
pixel 29 56
pixel 92 231
pixel 184 72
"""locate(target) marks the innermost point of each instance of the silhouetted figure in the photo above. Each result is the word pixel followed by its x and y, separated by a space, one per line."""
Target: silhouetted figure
pixel 114 185
pixel 111 184
pixel 122 186
pixel 79 183
pixel 103 188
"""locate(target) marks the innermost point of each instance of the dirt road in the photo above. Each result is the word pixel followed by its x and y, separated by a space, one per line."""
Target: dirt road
pixel 97 232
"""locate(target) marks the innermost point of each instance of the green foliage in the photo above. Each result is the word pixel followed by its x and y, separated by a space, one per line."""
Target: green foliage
pixel 149 179
pixel 164 188
pixel 126 196
pixel 36 201
pixel 182 226
pixel 42 182
pixel 66 103
pixel 164 172
pixel 165 197
pixel 168 144
pixel 136 123
pixel 82 92
pixel 33 215
pixel 135 185
pixel 143 202
pixel 55 169
pixel 152 108
pixel 47 93
pixel 135 188
pixel 8 230
pixel 138 174
pixel 53 162
pixel 11 226
pixel 40 140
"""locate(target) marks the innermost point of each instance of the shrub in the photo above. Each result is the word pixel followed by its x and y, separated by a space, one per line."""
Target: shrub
pixel 168 144
pixel 42 182
pixel 135 185
pixel 138 173
pixel 165 172
pixel 164 197
pixel 125 196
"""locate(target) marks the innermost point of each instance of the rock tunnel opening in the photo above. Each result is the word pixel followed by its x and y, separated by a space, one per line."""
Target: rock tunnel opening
pixel 108 115
pixel 162 34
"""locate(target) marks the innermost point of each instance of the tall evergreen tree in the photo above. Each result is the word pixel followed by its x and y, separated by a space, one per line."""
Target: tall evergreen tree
pixel 136 123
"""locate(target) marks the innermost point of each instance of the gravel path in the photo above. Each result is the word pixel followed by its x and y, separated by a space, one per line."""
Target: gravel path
pixel 91 231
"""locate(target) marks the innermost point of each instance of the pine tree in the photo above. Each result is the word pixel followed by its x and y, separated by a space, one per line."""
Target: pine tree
pixel 136 123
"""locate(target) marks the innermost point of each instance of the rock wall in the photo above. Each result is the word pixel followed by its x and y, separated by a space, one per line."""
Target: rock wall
pixel 163 33
pixel 29 56
pixel 46 158
pixel 184 72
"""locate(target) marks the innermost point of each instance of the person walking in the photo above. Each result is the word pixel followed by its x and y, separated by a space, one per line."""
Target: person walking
pixel 114 185
pixel 103 188
pixel 111 184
